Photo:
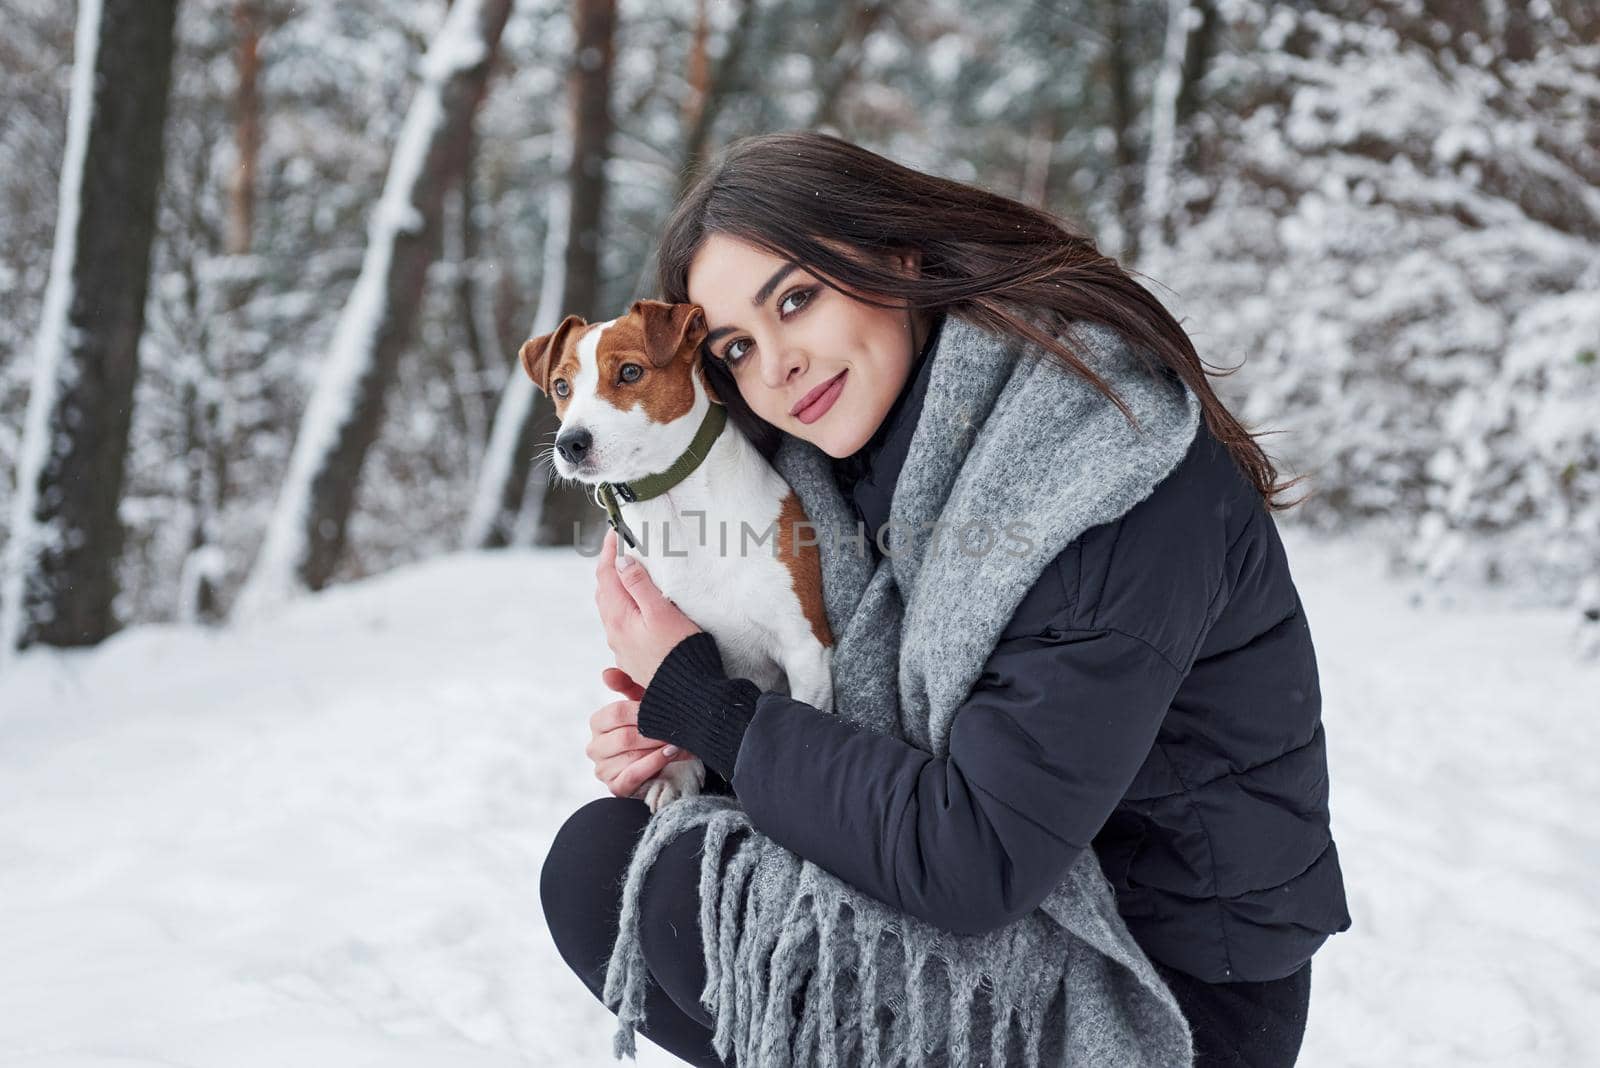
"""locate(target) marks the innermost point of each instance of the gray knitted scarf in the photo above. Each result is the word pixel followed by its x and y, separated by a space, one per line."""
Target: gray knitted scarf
pixel 1003 437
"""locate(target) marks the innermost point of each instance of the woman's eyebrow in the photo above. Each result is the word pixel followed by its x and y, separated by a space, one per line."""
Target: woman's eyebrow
pixel 759 299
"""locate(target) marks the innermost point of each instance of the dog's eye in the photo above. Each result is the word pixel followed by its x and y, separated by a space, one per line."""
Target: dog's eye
pixel 631 371
pixel 561 387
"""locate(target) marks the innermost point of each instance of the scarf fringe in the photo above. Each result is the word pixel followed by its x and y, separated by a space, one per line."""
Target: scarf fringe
pixel 867 1003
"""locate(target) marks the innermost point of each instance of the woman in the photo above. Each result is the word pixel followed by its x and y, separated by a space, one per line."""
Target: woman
pixel 1154 697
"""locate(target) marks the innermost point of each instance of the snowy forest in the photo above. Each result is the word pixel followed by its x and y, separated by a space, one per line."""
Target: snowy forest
pixel 1383 217
pixel 296 654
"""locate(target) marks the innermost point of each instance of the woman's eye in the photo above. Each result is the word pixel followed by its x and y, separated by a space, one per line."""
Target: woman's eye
pixel 797 293
pixel 631 371
pixel 728 355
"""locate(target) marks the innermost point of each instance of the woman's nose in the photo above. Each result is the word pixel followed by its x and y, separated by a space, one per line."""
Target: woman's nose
pixel 782 365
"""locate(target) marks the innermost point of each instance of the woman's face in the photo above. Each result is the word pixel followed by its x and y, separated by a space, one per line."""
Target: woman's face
pixel 786 337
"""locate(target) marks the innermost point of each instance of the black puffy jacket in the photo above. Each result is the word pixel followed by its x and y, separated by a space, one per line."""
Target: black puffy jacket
pixel 1155 697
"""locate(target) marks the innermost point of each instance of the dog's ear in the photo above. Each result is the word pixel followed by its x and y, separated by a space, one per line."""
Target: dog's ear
pixel 668 328
pixel 539 355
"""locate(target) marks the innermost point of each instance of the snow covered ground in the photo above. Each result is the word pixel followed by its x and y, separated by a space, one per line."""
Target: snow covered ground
pixel 316 839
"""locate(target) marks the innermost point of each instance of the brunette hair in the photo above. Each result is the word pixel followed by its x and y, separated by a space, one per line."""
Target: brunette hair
pixel 997 263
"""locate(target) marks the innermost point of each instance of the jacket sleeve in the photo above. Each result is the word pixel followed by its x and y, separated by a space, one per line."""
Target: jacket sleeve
pixel 1046 744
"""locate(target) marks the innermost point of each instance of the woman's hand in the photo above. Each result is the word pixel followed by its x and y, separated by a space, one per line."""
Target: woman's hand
pixel 641 624
pixel 623 758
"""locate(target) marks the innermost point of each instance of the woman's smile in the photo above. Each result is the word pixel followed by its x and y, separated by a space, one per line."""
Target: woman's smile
pixel 816 403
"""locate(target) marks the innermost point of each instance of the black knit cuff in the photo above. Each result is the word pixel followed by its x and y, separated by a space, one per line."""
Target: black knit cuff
pixel 692 703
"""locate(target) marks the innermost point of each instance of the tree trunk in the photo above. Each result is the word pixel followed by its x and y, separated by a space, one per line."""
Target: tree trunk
pixel 709 89
pixel 306 534
pixel 206 454
pixel 1119 74
pixel 247 130
pixel 706 104
pixel 565 506
pixel 1164 131
pixel 843 59
pixel 1038 165
pixel 503 474
pixel 60 578
pixel 471 364
pixel 1202 44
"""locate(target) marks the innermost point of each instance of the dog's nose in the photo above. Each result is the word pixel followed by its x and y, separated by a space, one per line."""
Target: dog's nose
pixel 574 446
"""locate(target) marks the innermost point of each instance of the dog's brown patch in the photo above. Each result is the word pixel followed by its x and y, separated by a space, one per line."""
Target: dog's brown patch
pixel 660 338
pixel 804 563
pixel 666 389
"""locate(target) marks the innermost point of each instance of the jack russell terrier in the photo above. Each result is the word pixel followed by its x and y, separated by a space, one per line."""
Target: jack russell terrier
pixel 642 427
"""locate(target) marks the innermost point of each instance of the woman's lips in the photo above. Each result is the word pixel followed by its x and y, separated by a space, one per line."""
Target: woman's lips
pixel 819 407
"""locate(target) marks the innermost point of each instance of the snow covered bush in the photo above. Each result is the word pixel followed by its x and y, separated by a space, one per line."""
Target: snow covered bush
pixel 1395 226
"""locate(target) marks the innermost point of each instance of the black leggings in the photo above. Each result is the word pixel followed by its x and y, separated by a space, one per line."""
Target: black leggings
pixel 1235 1025
pixel 581 888
pixel 1243 1025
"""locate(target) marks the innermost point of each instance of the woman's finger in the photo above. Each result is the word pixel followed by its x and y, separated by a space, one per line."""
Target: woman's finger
pixel 607 768
pixel 609 717
pixel 620 740
pixel 622 682
pixel 610 594
pixel 639 772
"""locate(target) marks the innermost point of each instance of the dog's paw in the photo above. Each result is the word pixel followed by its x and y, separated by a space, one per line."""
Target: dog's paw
pixel 681 778
pixel 658 792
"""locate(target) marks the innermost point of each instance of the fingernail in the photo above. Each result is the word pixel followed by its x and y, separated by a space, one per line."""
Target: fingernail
pixel 670 750
pixel 626 562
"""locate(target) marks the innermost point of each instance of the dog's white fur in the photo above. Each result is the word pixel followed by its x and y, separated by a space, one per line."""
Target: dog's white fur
pixel 723 577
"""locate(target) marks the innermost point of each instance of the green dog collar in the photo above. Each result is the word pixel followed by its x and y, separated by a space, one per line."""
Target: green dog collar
pixel 611 493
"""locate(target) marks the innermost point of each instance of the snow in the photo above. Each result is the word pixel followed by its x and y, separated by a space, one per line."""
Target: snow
pixel 53 368
pixel 316 839
pixel 311 842
pixel 275 577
